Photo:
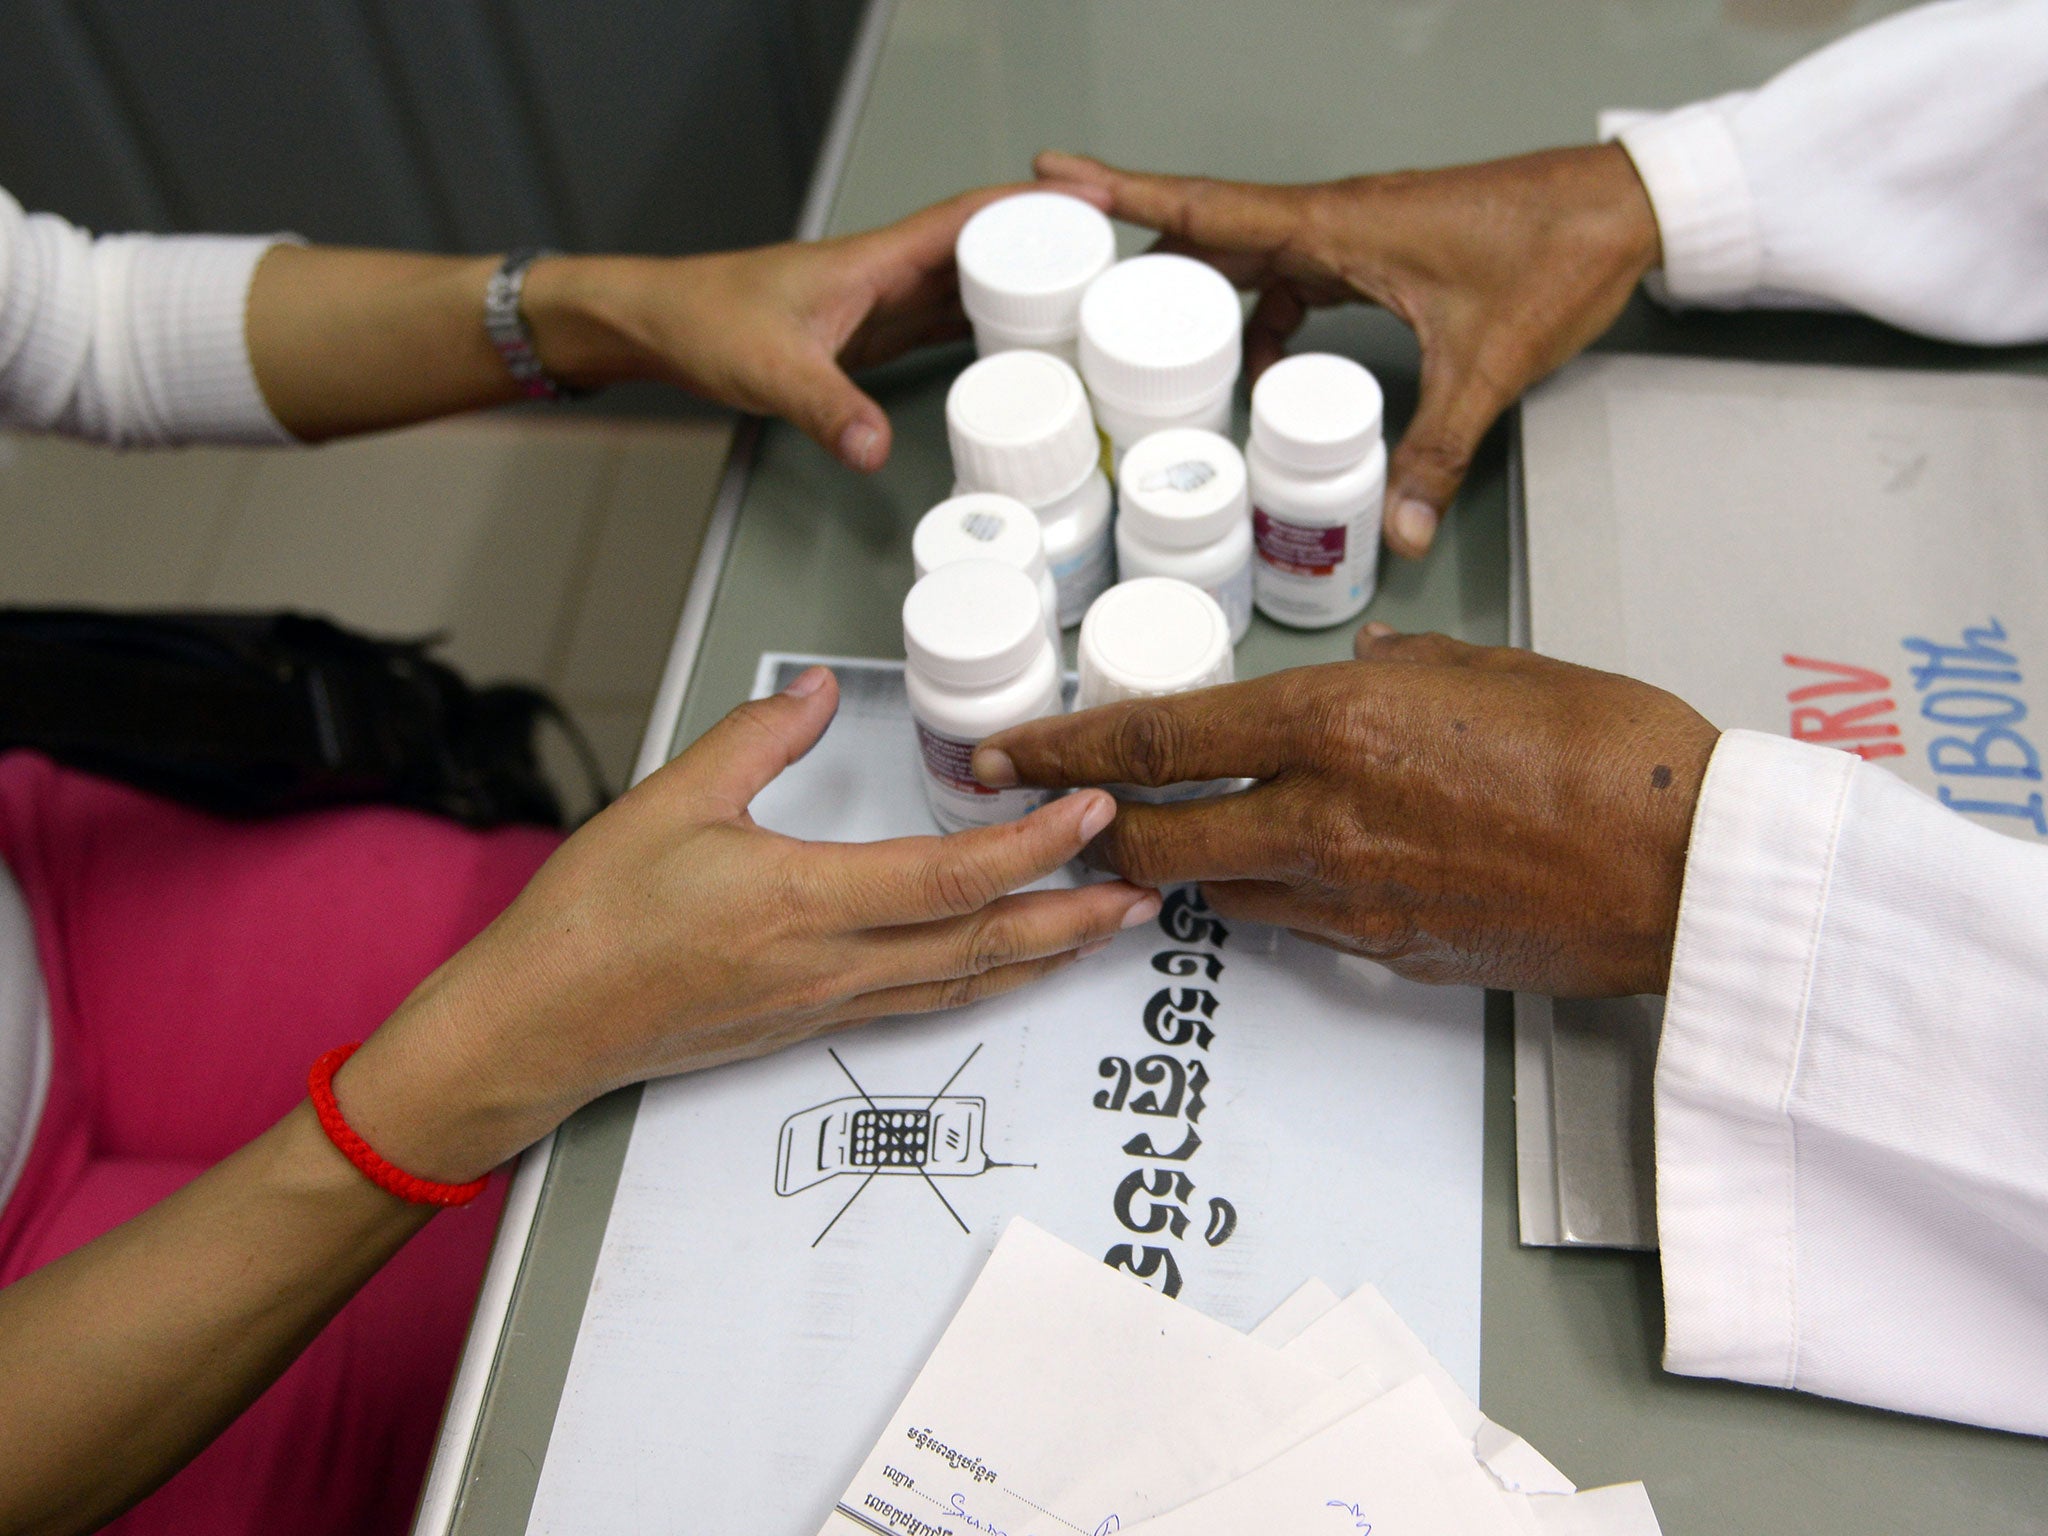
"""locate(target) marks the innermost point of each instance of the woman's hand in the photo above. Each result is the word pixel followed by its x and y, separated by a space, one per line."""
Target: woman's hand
pixel 346 341
pixel 772 330
pixel 1504 271
pixel 672 933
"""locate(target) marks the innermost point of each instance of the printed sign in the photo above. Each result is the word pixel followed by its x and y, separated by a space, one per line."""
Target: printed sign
pixel 1214 1109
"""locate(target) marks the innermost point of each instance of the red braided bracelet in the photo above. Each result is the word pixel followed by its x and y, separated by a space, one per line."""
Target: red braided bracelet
pixel 388 1177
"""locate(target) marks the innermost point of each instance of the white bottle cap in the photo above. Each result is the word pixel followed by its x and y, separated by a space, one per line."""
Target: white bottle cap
pixel 1153 636
pixel 1019 424
pixel 1025 261
pixel 973 624
pixel 1316 412
pixel 1182 487
pixel 979 526
pixel 1160 334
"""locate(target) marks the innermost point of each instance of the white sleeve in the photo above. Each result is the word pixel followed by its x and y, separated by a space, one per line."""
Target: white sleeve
pixel 130 339
pixel 1901 171
pixel 1852 1094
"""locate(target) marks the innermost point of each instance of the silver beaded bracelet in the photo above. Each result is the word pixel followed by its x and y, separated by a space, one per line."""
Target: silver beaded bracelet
pixel 508 330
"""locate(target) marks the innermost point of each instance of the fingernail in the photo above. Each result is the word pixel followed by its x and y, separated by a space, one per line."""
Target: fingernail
pixel 1415 523
pixel 1092 949
pixel 1378 629
pixel 1098 815
pixel 808 682
pixel 1142 911
pixel 994 768
pixel 860 445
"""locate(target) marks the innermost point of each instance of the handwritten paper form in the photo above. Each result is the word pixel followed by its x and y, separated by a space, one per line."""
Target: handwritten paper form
pixel 1064 1400
pixel 790 1236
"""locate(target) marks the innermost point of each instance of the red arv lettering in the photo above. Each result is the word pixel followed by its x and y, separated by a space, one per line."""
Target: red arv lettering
pixel 1864 728
pixel 1296 548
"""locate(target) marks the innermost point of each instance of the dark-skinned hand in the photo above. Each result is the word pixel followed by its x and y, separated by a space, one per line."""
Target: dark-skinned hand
pixel 1503 270
pixel 1460 813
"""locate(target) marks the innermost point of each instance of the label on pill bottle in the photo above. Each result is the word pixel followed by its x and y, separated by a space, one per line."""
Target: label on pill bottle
pixel 1297 548
pixel 1083 577
pixel 1314 574
pixel 958 799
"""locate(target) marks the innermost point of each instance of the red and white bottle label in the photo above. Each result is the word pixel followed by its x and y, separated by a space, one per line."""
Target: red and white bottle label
pixel 1298 549
pixel 950 760
pixel 957 798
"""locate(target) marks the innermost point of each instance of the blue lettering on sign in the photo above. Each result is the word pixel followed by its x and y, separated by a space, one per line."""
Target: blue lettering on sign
pixel 1973 688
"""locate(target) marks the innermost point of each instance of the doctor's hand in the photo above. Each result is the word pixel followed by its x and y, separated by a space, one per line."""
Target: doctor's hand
pixel 773 330
pixel 1503 270
pixel 673 933
pixel 1459 813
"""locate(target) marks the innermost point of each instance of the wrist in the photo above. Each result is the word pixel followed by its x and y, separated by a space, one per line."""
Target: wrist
pixel 585 314
pixel 1616 190
pixel 433 1091
pixel 1675 771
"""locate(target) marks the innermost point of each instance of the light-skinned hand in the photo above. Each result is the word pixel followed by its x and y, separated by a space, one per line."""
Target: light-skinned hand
pixel 1504 271
pixel 1460 813
pixel 672 933
pixel 773 330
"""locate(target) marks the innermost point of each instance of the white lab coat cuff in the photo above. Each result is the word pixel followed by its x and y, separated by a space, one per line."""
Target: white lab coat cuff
pixel 1706 215
pixel 1756 886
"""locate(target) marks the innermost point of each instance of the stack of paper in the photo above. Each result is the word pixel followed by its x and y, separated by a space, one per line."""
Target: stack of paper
pixel 1068 1399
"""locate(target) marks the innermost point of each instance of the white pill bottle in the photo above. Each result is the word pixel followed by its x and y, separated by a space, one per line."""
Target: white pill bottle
pixel 976 661
pixel 1318 473
pixel 1161 345
pixel 984 526
pixel 1019 426
pixel 1183 510
pixel 1146 639
pixel 1024 263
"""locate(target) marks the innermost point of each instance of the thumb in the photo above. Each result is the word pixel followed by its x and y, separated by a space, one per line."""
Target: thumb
pixel 1456 409
pixel 741 755
pixel 815 395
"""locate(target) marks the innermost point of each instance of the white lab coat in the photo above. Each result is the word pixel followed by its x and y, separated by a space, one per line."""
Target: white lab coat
pixel 1852 1085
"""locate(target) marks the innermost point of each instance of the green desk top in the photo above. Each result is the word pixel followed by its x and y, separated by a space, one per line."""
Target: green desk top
pixel 964 93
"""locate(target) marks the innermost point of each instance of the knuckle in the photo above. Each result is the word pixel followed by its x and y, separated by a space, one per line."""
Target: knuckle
pixel 990 945
pixel 1333 722
pixel 1430 645
pixel 1134 848
pixel 950 885
pixel 815 992
pixel 1148 742
pixel 1437 452
pixel 786 906
pixel 957 991
pixel 1327 846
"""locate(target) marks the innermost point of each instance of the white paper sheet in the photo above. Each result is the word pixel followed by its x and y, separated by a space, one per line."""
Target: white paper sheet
pixel 782 1254
pixel 1063 1398
pixel 1395 1467
pixel 1364 1341
pixel 1287 1320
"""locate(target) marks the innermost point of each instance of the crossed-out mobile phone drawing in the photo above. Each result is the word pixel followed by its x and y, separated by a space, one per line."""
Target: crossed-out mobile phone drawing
pixel 872 1136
